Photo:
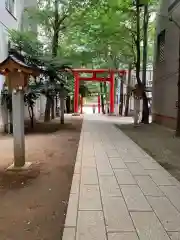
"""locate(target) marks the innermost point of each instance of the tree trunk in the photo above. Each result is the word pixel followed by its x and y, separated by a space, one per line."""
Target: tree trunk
pixel 145 113
pixel 55 29
pixel 68 104
pixel 138 49
pixel 62 109
pixel 121 97
pixel 102 98
pixel 10 122
pixel 128 91
pixel 52 109
pixel 31 115
pixel 56 106
pixel 47 109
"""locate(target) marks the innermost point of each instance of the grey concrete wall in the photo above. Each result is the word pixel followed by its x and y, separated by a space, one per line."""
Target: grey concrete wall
pixel 166 73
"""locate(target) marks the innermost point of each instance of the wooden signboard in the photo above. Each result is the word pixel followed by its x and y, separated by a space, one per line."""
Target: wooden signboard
pixel 14 80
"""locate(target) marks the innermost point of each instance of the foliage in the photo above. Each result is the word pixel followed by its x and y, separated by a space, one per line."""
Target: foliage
pixel 90 33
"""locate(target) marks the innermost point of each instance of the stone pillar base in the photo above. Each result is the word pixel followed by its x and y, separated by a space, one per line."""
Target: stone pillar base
pixel 13 168
pixel 76 114
pixel 112 114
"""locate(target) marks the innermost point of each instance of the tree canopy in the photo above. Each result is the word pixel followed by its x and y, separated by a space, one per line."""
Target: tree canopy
pixel 92 34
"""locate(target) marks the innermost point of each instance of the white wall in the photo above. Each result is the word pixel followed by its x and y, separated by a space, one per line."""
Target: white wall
pixel 7 19
pixel 8 22
pixel 39 108
pixel 166 72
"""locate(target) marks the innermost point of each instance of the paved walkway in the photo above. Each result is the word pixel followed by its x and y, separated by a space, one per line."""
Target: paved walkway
pixel 118 191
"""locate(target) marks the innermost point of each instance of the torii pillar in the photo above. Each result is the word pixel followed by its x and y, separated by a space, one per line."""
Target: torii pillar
pixel 76 94
pixel 112 93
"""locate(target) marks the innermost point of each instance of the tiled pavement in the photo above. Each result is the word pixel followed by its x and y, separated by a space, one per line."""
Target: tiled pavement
pixel 118 191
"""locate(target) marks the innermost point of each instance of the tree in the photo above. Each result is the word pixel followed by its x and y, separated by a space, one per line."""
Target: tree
pixel 29 49
pixel 51 17
pixel 93 32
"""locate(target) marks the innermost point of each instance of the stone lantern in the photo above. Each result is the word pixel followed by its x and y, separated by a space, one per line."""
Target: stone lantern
pixel 17 76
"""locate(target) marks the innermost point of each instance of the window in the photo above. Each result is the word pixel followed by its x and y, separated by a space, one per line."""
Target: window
pixel 161 46
pixel 10 6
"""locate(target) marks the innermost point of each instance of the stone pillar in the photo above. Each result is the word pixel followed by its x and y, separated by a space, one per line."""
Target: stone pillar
pixel 18 128
pixel 4 117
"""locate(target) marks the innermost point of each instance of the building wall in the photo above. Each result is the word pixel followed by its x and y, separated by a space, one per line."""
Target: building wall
pixel 166 71
pixel 8 21
pixel 17 21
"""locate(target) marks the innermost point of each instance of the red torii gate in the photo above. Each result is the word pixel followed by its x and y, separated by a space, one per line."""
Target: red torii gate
pixel 110 78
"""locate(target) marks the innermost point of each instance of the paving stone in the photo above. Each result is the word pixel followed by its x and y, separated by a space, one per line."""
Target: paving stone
pixel 123 236
pixel 89 162
pixel 77 168
pixel 136 169
pixel 117 217
pixel 175 182
pixel 89 176
pixel 159 177
pixel 112 153
pixel 78 158
pixel 148 187
pixel 104 168
pixel 88 154
pixel 90 226
pixel 148 226
pixel 148 164
pixel 166 212
pixel 109 186
pixel 109 147
pixel 124 176
pixel 117 163
pixel 128 158
pixel 89 198
pixel 71 215
pixel 75 183
pixel 174 235
pixel 69 234
pixel 173 193
pixel 135 199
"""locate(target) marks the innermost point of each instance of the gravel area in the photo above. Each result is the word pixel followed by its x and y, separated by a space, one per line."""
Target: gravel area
pixel 33 204
pixel 159 142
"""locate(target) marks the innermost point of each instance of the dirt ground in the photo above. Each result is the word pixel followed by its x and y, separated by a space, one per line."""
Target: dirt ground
pixel 159 142
pixel 33 204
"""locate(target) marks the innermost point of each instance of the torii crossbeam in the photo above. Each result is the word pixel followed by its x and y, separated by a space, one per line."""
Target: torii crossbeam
pixel 109 78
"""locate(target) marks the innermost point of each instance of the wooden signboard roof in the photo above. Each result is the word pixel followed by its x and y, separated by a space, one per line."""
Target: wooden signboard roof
pixel 12 63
